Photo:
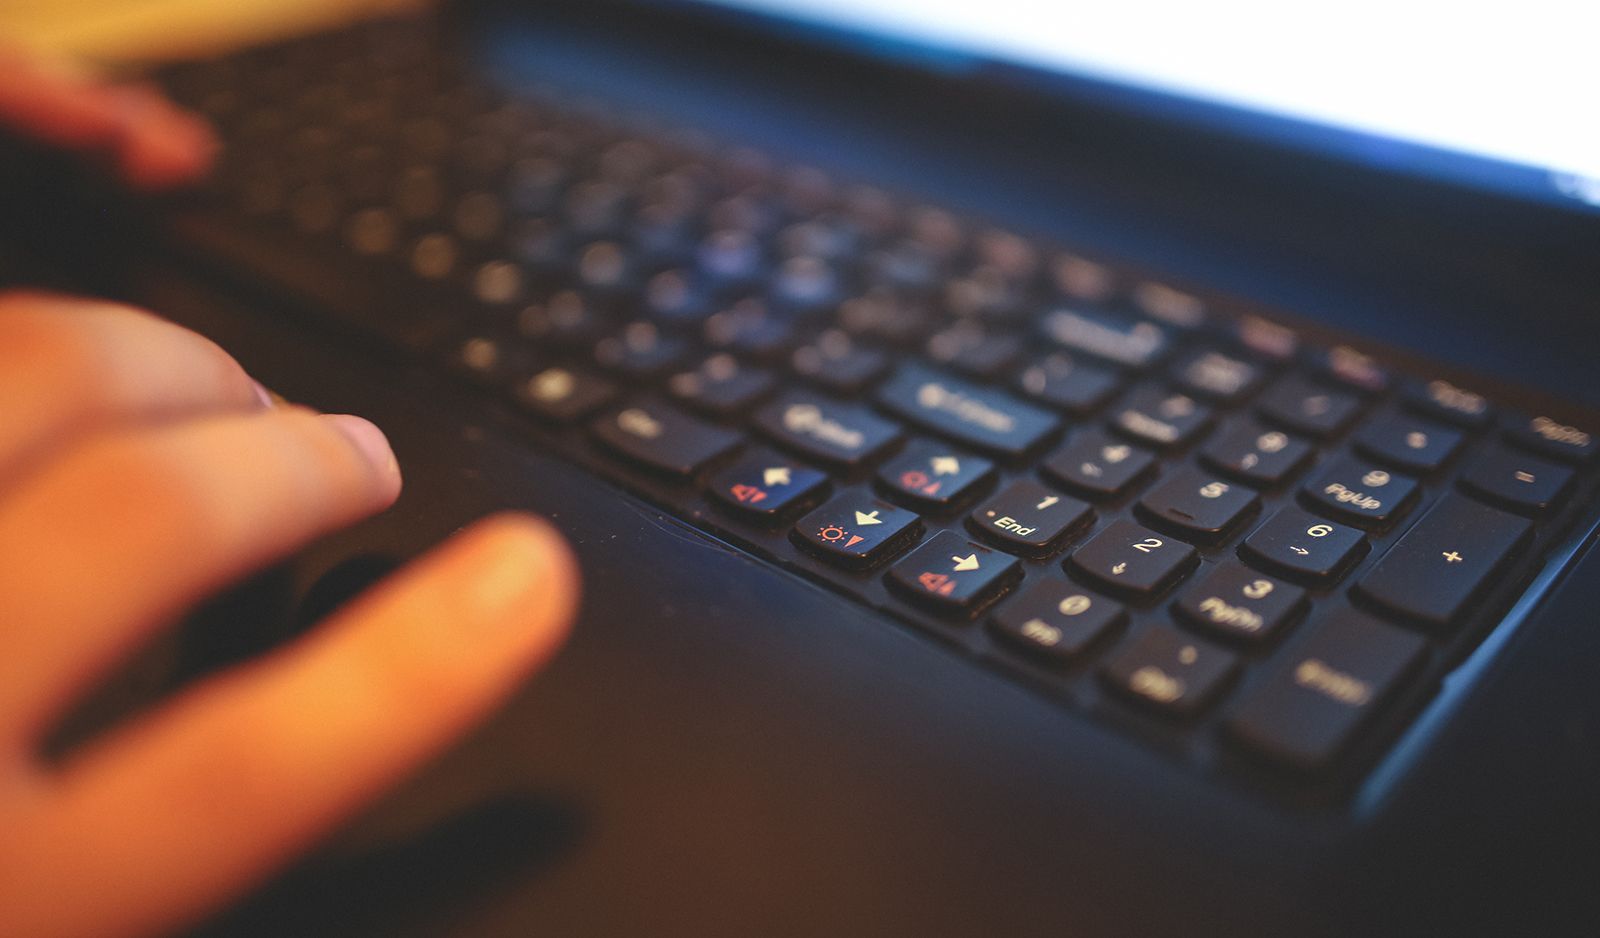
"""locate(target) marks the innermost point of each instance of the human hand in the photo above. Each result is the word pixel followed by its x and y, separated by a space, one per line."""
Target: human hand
pixel 141 469
pixel 151 143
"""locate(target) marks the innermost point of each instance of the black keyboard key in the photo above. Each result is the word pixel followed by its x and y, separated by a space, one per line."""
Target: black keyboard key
pixel 1447 402
pixel 1555 439
pixel 566 319
pixel 1131 559
pixel 1170 671
pixel 1028 518
pixel 1068 383
pixel 1217 376
pixel 884 316
pixel 934 477
pixel 1160 418
pixel 1233 601
pixel 1097 466
pixel 1296 404
pixel 749 328
pixel 954 575
pixel 988 420
pixel 1310 708
pixel 564 394
pixel 1354 368
pixel 1255 455
pixel 663 438
pixel 803 285
pixel 722 386
pixel 676 298
pixel 857 532
pixel 1408 442
pixel 838 363
pixel 1056 620
pixel 1436 568
pixel 640 351
pixel 841 434
pixel 767 487
pixel 1132 343
pixel 1267 339
pixel 1515 480
pixel 1197 506
pixel 1360 492
pixel 972 349
pixel 1299 544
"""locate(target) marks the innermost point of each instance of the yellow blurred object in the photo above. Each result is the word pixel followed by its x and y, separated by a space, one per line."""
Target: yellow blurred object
pixel 121 31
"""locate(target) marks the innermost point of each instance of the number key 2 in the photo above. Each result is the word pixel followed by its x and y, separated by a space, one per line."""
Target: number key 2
pixel 1132 560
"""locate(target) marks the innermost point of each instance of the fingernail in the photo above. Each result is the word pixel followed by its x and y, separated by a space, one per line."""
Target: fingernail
pixel 368 439
pixel 263 395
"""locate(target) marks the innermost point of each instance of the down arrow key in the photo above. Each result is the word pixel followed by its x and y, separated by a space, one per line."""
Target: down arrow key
pixel 953 575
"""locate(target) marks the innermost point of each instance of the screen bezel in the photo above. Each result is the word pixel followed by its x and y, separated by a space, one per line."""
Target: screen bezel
pixel 1220 134
pixel 1279 132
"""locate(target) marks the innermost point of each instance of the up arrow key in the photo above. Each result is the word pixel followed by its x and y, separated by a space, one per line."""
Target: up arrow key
pixel 967 563
pixel 865 518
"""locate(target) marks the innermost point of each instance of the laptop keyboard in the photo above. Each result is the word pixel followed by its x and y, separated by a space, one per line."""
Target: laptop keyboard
pixel 1252 544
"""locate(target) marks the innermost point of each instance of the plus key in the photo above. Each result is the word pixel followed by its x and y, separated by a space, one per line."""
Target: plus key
pixel 1444 560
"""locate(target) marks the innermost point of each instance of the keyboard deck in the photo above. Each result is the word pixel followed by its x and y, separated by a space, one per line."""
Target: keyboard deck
pixel 1252 544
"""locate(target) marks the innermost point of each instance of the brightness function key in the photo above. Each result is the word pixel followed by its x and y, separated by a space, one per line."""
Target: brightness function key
pixel 856 532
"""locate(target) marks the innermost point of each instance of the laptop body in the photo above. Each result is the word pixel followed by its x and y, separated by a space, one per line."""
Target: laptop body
pixel 729 747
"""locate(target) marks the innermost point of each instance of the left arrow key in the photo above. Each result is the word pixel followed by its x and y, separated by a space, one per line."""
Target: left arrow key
pixel 856 532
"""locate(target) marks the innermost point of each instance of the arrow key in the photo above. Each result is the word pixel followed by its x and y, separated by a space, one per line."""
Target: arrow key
pixel 765 486
pixel 952 574
pixel 934 477
pixel 856 532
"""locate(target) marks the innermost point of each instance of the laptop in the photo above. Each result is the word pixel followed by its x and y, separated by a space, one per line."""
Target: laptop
pixel 1037 470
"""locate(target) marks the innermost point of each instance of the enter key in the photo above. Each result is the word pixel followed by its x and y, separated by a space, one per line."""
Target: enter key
pixel 1436 569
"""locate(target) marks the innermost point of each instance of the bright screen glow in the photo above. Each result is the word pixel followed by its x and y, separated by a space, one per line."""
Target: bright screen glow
pixel 1515 82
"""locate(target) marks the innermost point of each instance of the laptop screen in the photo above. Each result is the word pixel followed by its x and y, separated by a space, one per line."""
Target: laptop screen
pixel 1498 96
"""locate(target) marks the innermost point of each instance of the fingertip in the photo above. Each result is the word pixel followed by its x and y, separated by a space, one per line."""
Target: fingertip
pixel 525 577
pixel 373 446
pixel 160 146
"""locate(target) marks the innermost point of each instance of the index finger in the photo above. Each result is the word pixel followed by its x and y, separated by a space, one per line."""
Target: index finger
pixel 154 144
